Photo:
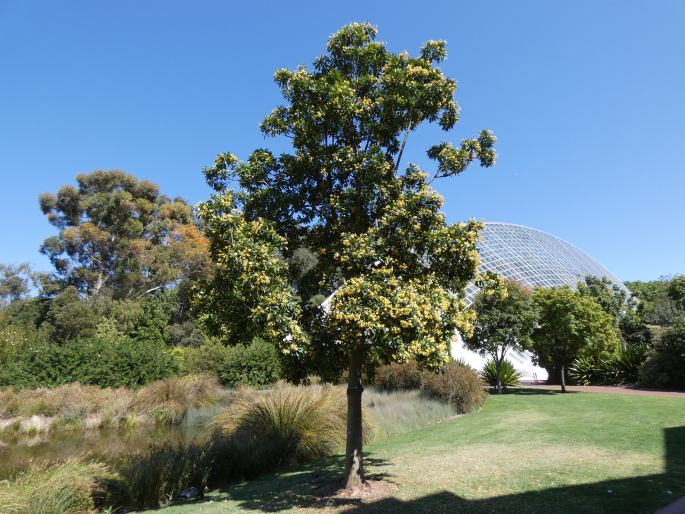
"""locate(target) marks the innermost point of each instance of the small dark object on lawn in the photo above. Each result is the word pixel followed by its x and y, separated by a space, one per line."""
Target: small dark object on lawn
pixel 190 493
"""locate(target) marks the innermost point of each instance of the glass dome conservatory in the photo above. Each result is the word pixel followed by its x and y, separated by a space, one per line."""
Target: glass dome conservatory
pixel 534 259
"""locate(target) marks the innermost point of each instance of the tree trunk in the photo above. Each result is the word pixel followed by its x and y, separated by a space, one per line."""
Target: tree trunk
pixel 498 372
pixel 354 461
pixel 563 378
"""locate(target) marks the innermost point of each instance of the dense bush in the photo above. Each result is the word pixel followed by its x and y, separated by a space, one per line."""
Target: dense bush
pixel 665 363
pixel 618 368
pixel 394 376
pixel 256 365
pixel 510 376
pixel 72 487
pixel 121 363
pixel 457 383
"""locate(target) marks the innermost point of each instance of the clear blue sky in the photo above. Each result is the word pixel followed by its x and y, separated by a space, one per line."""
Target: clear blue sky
pixel 586 98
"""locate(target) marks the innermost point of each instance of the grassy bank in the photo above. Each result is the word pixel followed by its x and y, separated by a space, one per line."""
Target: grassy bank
pixel 537 452
pixel 76 406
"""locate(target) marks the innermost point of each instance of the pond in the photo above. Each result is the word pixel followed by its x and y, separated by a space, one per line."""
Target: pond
pixel 18 451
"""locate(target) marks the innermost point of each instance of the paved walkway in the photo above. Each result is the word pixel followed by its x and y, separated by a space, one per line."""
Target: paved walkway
pixel 608 389
pixel 677 507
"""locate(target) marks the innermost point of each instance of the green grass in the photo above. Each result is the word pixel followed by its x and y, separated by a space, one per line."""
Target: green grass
pixel 539 452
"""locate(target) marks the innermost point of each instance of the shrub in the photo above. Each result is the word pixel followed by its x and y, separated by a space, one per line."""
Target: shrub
pixel 74 486
pixel 167 400
pixel 285 425
pixel 394 376
pixel 256 365
pixel 155 477
pixel 665 363
pixel 509 374
pixel 457 384
pixel 123 362
pixel 616 369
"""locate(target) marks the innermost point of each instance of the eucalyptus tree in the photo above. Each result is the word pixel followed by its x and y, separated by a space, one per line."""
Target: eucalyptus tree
pixel 114 232
pixel 373 223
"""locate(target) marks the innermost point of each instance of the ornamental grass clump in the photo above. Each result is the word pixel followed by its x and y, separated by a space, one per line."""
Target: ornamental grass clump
pixel 155 477
pixel 286 425
pixel 74 486
pixel 168 400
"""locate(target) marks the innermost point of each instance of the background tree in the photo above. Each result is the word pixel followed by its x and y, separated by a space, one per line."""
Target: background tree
pixel 676 290
pixel 114 232
pixel 657 306
pixel 375 228
pixel 665 363
pixel 623 309
pixel 611 298
pixel 569 324
pixel 15 282
pixel 505 320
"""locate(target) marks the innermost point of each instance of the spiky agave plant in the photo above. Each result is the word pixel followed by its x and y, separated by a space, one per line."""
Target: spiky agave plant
pixel 509 374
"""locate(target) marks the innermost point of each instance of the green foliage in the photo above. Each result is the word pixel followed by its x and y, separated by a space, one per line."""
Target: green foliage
pixel 122 362
pixel 657 305
pixel 457 384
pixel 611 298
pixel 155 477
pixel 570 325
pixel 248 294
pixel 285 425
pixel 376 230
pixel 676 290
pixel 618 368
pixel 256 364
pixel 509 375
pixel 69 317
pixel 505 320
pixel 15 282
pixel 665 363
pixel 71 487
pixel 114 232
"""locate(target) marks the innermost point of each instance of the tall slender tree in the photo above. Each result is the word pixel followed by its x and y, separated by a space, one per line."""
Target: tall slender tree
pixel 374 224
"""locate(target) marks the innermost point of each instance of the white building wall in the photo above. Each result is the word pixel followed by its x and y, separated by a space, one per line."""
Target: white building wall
pixel 522 361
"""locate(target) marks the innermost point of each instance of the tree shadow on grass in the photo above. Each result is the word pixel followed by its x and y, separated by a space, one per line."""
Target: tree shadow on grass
pixel 310 487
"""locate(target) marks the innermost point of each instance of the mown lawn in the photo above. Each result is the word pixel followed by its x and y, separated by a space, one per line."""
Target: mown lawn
pixel 533 452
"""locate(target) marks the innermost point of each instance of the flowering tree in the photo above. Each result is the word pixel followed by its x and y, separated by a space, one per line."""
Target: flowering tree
pixel 375 230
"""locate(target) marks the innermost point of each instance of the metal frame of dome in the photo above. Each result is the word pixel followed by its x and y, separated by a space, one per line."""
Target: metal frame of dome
pixel 535 259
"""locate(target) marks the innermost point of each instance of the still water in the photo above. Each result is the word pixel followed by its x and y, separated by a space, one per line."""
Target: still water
pixel 17 451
